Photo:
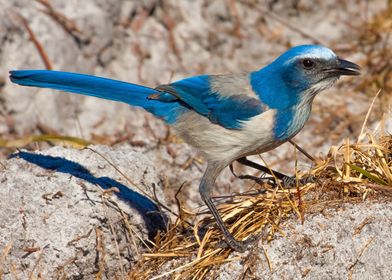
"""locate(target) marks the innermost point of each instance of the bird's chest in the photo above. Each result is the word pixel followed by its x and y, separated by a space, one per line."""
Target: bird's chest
pixel 289 122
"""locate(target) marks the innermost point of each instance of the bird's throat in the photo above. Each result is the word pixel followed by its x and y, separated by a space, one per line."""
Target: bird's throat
pixel 290 121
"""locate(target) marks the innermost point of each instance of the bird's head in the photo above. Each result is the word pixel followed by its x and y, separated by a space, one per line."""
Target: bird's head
pixel 312 68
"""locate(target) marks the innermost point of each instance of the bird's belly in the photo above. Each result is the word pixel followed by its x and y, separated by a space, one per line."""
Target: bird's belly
pixel 263 147
pixel 220 144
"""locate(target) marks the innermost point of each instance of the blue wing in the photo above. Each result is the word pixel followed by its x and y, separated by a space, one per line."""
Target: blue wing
pixel 196 94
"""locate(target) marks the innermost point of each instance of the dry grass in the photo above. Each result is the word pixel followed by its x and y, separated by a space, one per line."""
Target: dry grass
pixel 351 172
pixel 374 43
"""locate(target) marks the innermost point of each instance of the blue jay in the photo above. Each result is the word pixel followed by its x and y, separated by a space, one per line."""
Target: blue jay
pixel 226 117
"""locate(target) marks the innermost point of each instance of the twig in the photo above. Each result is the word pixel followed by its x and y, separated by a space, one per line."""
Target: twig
pixel 115 239
pixel 302 150
pixel 68 25
pixel 132 183
pixel 35 265
pixel 180 211
pixel 4 255
pixel 100 253
pixel 38 45
pixel 169 23
pixel 237 22
pixel 361 134
pixel 284 22
pixel 351 267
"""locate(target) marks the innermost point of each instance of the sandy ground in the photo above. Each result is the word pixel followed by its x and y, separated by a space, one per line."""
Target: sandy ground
pixel 350 241
pixel 66 213
pixel 154 42
pixel 61 218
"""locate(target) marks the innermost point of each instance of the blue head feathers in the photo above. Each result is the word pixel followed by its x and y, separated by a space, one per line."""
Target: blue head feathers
pixel 300 72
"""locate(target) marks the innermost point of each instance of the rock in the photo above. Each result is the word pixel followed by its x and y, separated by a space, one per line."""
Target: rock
pixel 71 213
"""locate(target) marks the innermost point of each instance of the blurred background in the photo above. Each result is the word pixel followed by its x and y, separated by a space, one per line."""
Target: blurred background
pixel 154 42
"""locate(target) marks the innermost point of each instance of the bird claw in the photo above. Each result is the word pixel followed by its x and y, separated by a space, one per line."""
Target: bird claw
pixel 289 182
pixel 240 246
pixel 258 180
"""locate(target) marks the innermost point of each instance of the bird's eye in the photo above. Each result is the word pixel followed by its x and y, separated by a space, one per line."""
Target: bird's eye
pixel 308 63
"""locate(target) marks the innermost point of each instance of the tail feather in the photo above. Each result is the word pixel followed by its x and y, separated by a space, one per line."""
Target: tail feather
pixel 131 94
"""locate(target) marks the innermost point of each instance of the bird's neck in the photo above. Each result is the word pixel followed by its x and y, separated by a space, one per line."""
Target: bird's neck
pixel 289 122
pixel 293 106
pixel 272 90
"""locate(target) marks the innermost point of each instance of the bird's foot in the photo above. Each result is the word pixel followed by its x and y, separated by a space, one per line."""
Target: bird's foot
pixel 240 246
pixel 258 180
pixel 290 182
pixel 287 181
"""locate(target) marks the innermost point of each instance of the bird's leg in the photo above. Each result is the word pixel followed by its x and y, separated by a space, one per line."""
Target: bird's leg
pixel 258 180
pixel 205 189
pixel 288 181
pixel 247 162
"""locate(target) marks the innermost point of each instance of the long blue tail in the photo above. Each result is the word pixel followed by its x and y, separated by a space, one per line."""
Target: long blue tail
pixel 131 94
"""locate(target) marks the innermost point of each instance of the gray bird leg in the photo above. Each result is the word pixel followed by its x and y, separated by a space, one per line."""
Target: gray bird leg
pixel 205 189
pixel 262 168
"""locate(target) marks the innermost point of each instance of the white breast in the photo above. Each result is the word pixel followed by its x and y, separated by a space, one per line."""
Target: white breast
pixel 304 106
pixel 221 144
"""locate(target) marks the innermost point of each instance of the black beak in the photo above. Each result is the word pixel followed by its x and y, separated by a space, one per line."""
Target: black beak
pixel 344 67
pixel 348 68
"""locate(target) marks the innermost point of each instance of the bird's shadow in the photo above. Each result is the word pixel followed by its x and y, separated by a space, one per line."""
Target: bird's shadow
pixel 154 219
